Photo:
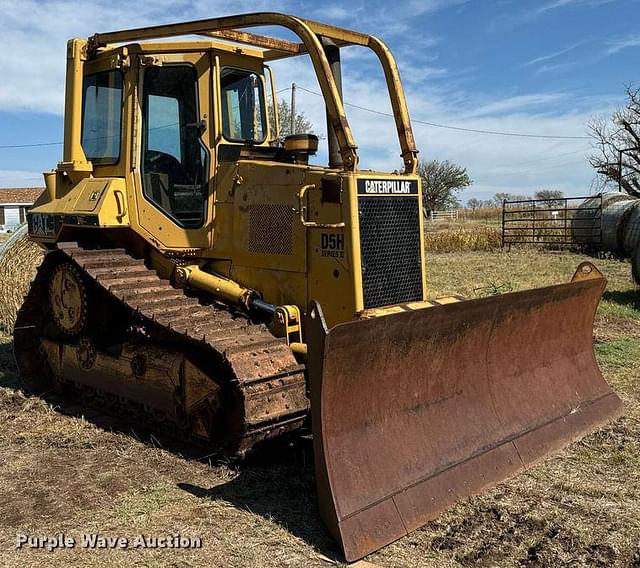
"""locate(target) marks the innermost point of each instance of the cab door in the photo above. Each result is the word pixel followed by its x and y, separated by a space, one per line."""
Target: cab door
pixel 174 185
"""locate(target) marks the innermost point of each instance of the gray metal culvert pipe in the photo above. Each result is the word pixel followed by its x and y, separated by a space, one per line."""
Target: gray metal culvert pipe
pixel 620 223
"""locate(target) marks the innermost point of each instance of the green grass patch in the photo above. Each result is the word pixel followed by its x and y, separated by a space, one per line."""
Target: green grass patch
pixel 146 502
pixel 621 303
pixel 619 354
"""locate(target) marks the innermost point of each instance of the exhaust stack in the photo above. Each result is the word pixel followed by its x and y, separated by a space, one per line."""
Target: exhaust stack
pixel 332 51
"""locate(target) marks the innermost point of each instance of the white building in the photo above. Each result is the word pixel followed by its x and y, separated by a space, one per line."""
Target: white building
pixel 14 202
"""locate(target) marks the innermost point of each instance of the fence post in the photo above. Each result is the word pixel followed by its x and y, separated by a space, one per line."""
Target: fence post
pixel 504 204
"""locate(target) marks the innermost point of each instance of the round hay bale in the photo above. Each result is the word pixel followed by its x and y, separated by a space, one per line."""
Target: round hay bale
pixel 19 259
pixel 635 265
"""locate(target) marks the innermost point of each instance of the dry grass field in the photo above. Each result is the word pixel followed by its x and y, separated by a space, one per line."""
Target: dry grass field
pixel 65 470
pixel 463 237
pixel 478 230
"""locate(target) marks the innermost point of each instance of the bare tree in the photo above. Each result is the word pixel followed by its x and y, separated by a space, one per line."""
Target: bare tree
pixel 440 183
pixel 501 197
pixel 302 124
pixel 617 142
pixel 551 196
pixel 474 204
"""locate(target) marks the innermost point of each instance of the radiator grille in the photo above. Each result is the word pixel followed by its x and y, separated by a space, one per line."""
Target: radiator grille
pixel 390 249
pixel 271 229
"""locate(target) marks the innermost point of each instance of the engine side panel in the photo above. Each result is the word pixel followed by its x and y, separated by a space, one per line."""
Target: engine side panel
pixel 92 203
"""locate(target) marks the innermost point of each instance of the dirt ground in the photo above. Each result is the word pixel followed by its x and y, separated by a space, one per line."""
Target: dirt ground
pixel 65 472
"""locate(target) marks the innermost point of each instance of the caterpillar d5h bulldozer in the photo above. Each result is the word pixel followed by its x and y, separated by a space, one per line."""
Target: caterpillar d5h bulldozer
pixel 203 274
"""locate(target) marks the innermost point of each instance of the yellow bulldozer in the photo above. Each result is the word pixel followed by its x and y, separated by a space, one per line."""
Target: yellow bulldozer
pixel 203 275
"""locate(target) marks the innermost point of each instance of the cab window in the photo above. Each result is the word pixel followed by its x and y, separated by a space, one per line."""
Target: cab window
pixel 174 161
pixel 102 116
pixel 243 113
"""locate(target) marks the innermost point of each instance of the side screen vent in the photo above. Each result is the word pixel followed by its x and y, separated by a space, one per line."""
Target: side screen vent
pixel 271 229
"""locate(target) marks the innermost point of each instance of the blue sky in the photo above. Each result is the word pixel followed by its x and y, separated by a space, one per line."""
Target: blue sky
pixel 541 67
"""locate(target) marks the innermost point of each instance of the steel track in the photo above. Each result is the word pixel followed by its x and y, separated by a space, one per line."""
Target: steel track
pixel 265 386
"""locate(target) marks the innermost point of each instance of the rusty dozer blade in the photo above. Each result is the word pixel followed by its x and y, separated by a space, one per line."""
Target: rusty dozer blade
pixel 415 410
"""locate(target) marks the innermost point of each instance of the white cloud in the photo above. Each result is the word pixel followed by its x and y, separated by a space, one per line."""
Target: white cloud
pixel 33 42
pixel 495 163
pixel 562 3
pixel 553 55
pixel 519 102
pixel 517 165
pixel 34 36
pixel 337 12
pixel 535 10
pixel 20 178
pixel 32 54
pixel 384 19
pixel 417 7
pixel 556 4
pixel 618 44
pixel 554 67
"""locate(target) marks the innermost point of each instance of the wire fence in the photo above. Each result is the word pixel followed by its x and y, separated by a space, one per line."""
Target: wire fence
pixel 448 215
pixel 563 222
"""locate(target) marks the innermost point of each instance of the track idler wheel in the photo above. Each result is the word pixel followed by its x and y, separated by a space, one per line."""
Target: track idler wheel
pixel 68 299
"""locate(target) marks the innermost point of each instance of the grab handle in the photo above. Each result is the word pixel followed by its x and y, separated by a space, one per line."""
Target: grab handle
pixel 302 211
pixel 121 204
